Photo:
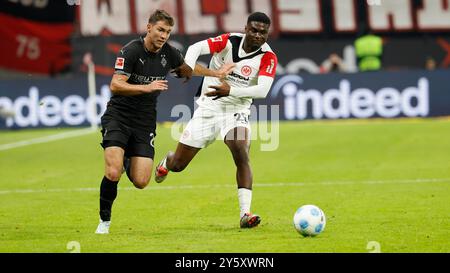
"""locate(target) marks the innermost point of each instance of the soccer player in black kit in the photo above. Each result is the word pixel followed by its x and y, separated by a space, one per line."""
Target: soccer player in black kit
pixel 129 123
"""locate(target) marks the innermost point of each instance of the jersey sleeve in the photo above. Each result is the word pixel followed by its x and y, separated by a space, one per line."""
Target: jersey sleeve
pixel 125 61
pixel 268 64
pixel 258 91
pixel 176 57
pixel 218 43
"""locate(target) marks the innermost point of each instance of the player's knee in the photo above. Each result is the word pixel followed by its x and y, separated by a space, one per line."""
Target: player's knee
pixel 141 182
pixel 240 155
pixel 140 186
pixel 113 173
pixel 242 161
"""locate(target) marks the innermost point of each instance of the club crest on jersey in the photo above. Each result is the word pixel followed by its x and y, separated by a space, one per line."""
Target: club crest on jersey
pixel 246 70
pixel 163 60
pixel 120 63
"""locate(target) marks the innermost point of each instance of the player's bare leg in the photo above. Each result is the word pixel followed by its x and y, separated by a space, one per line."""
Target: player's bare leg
pixel 238 141
pixel 175 162
pixel 108 188
pixel 140 171
pixel 113 163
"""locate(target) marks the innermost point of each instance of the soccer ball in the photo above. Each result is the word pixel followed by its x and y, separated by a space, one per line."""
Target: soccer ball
pixel 309 220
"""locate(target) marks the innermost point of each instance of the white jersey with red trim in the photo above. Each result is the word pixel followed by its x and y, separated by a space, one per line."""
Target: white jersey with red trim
pixel 227 48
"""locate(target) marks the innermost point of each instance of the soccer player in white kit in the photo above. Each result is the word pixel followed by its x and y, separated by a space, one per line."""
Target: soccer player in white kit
pixel 224 104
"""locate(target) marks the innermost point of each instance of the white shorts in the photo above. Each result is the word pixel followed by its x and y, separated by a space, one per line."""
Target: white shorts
pixel 206 125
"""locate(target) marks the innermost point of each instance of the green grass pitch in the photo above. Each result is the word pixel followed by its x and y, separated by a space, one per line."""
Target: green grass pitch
pixel 386 181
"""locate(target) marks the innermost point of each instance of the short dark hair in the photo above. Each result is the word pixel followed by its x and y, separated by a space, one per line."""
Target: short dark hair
pixel 258 17
pixel 161 15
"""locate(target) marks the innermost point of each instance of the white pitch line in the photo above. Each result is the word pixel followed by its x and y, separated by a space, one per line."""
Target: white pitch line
pixel 46 139
pixel 259 185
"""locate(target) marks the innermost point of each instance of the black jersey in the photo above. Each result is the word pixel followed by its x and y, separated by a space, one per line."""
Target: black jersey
pixel 142 67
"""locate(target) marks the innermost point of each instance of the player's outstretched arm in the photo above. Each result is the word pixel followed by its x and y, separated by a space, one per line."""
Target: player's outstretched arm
pixel 204 47
pixel 256 91
pixel 183 71
pixel 221 73
pixel 119 86
pixel 194 51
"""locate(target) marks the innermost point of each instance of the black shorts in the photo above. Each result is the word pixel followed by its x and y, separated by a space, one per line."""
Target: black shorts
pixel 135 141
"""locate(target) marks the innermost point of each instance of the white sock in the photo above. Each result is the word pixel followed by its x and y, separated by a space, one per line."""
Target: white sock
pixel 245 200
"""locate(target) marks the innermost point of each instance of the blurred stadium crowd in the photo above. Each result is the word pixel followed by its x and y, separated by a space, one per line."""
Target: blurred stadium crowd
pixel 50 37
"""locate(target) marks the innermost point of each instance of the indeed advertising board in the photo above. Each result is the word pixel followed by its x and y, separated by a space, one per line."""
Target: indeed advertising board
pixel 65 102
pixel 363 95
pixel 50 103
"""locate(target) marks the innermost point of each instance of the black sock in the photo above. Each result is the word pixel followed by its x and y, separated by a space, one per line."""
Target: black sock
pixel 108 192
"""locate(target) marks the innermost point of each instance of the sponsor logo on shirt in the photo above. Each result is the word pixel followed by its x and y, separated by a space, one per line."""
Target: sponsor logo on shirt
pixel 140 79
pixel 232 74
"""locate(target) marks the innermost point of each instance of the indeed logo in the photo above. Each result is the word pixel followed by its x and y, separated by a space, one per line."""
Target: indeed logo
pixel 31 111
pixel 343 102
